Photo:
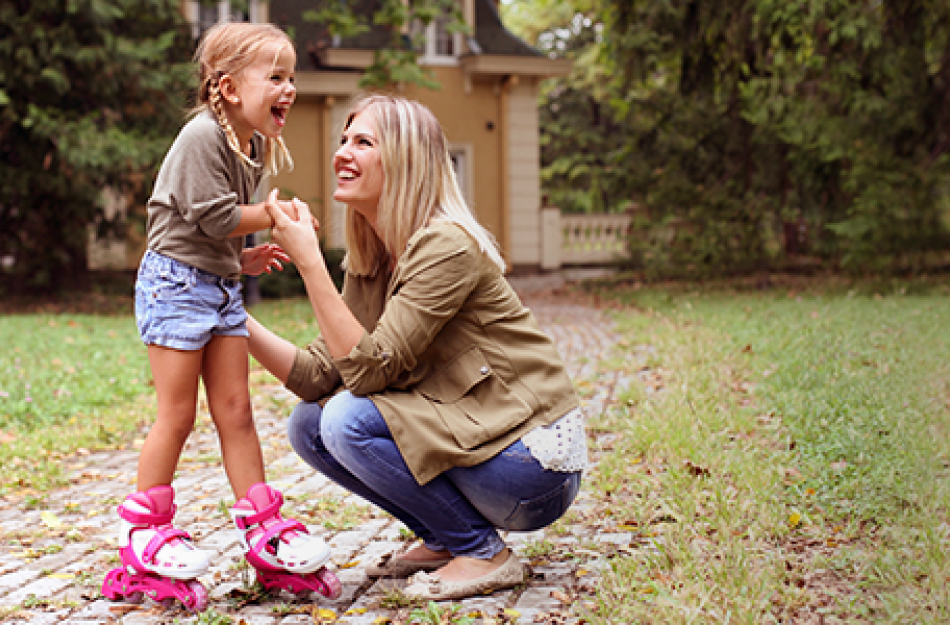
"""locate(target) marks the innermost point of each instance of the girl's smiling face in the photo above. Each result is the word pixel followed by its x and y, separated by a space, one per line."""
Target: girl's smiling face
pixel 359 168
pixel 262 94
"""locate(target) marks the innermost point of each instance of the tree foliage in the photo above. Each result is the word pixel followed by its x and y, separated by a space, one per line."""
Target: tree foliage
pixel 397 62
pixel 729 120
pixel 91 95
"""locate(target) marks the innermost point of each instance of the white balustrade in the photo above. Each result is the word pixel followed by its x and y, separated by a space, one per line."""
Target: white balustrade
pixel 570 239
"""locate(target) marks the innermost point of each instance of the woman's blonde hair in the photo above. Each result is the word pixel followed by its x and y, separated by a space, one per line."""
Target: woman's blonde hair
pixel 229 48
pixel 419 186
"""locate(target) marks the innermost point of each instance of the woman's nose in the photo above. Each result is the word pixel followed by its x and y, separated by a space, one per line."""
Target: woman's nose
pixel 343 152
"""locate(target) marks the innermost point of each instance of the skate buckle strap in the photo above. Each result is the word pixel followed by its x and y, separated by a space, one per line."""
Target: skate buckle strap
pixel 158 541
pixel 244 522
pixel 146 518
pixel 276 530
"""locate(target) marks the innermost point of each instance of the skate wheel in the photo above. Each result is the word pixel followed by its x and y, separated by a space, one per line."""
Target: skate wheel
pixel 199 596
pixel 114 584
pixel 332 588
pixel 135 597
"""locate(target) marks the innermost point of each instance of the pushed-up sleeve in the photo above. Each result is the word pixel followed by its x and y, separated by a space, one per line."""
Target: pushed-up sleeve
pixel 313 375
pixel 433 279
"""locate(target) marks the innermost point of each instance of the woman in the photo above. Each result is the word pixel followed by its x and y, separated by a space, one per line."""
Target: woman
pixel 431 392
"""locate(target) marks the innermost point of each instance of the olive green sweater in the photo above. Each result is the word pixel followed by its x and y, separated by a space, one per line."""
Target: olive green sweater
pixel 198 195
pixel 456 364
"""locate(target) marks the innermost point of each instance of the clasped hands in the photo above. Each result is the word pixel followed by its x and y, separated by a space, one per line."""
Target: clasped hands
pixel 294 227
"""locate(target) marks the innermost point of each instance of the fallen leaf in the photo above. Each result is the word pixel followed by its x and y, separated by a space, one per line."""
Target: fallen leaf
pixel 561 596
pixel 51 520
pixel 123 609
pixel 695 470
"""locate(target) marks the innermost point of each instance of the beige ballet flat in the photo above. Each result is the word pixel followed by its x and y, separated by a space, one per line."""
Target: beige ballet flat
pixel 391 565
pixel 430 586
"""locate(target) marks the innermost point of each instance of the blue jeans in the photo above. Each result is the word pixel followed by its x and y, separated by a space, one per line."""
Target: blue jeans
pixel 460 510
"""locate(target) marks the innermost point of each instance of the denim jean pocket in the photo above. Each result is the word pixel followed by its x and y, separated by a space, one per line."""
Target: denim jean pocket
pixel 533 514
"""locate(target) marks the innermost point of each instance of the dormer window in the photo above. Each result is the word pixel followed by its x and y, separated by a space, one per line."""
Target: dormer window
pixel 438 46
pixel 204 14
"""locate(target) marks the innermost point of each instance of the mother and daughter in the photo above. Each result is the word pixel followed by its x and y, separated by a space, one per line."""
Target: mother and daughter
pixel 431 391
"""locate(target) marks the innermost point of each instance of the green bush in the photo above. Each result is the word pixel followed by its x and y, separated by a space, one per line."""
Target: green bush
pixel 287 283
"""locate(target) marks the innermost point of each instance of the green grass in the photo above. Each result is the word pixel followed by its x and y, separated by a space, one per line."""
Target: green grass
pixel 67 382
pixel 794 462
pixel 780 454
pixel 70 382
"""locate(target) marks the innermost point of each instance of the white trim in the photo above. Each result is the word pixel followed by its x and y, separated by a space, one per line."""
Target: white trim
pixel 256 12
pixel 430 54
pixel 524 176
pixel 462 154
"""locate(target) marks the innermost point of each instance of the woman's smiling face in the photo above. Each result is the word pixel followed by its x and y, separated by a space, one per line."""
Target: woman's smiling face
pixel 358 167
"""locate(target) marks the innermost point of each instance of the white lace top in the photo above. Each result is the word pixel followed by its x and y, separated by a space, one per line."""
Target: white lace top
pixel 561 446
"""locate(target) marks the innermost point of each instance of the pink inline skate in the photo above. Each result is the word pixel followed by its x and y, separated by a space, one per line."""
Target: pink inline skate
pixel 158 560
pixel 283 553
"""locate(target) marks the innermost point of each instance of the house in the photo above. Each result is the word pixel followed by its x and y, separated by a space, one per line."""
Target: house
pixel 487 105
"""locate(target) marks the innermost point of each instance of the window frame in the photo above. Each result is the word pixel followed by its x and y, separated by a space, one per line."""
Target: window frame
pixel 254 15
pixel 429 55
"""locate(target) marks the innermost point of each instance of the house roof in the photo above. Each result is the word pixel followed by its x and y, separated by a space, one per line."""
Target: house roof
pixel 490 44
pixel 492 37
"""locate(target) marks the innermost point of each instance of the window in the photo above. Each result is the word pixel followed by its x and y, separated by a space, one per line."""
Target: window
pixel 438 46
pixel 461 161
pixel 206 13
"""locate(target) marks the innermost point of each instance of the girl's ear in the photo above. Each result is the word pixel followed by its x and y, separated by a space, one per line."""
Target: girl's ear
pixel 229 89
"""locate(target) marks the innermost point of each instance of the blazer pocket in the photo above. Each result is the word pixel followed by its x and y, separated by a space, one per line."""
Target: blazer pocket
pixel 475 403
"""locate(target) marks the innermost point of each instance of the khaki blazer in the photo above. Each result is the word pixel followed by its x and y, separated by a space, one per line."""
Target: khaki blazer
pixel 456 364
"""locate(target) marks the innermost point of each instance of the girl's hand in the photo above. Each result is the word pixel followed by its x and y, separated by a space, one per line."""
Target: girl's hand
pixel 297 234
pixel 263 259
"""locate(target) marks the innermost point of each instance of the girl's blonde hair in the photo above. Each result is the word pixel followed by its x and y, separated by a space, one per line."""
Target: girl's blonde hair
pixel 230 48
pixel 419 186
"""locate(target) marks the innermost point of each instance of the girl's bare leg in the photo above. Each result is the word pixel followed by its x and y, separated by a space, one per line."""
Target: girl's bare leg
pixel 225 372
pixel 175 373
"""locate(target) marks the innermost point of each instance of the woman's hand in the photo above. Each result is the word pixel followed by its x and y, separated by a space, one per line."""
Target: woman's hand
pixel 297 234
pixel 263 259
pixel 340 329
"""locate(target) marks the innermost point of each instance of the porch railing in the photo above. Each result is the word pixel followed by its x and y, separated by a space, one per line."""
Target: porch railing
pixel 583 239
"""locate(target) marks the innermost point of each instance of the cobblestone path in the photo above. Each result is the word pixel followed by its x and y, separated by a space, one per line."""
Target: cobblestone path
pixel 55 549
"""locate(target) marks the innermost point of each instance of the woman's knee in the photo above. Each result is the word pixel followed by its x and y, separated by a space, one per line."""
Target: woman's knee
pixel 349 421
pixel 303 427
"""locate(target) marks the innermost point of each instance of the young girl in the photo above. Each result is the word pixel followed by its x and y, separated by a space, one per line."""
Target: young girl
pixel 190 314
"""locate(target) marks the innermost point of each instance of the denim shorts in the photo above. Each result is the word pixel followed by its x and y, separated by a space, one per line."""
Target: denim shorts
pixel 183 307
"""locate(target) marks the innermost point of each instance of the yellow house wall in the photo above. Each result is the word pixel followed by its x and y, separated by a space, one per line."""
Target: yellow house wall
pixel 470 116
pixel 306 140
